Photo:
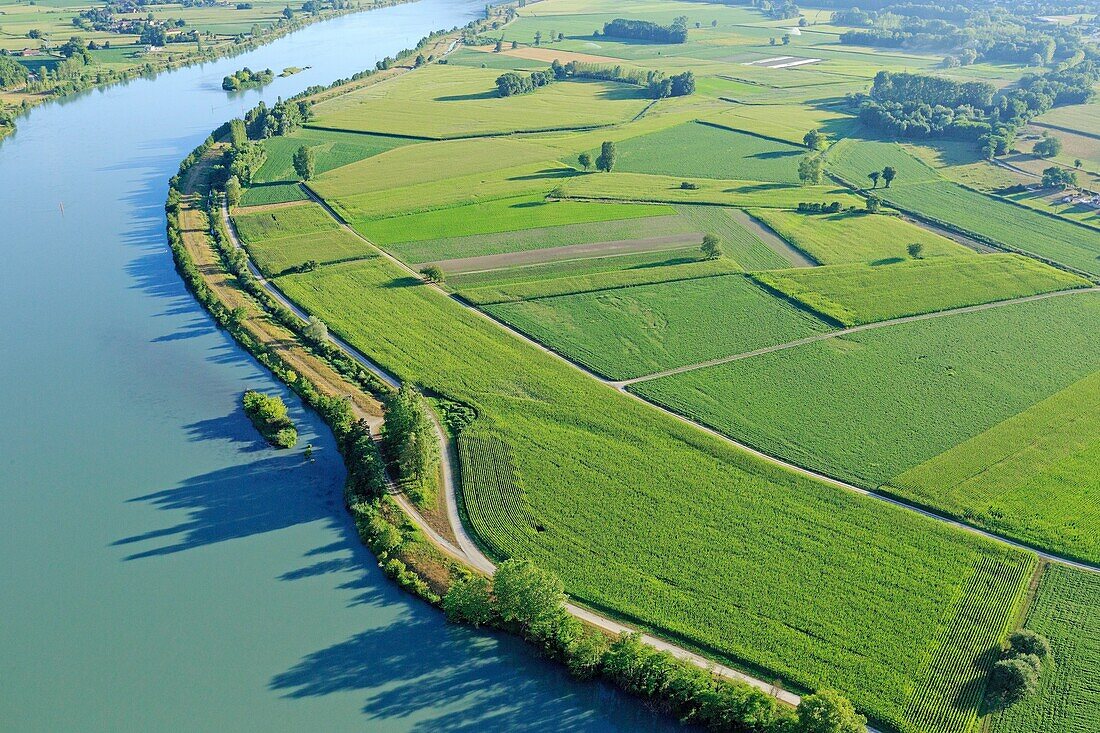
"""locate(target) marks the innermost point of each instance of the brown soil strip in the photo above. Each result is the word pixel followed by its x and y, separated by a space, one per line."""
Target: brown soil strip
pixel 568 252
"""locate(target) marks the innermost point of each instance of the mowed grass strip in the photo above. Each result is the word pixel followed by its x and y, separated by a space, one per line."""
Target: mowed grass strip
pixel 612 277
pixel 698 150
pixel 442 101
pixel 861 293
pixel 834 239
pixel 491 217
pixel 613 482
pixel 1031 477
pixel 285 221
pixel 639 330
pixel 536 237
pixel 1068 699
pixel 742 194
pixel 868 406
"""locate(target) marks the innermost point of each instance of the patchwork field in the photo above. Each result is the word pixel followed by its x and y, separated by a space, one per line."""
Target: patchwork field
pixel 579 451
pixel 633 331
pixel 699 150
pixel 643 187
pixel 869 406
pixel 860 293
pixel 455 101
pixel 833 239
pixel 1064 611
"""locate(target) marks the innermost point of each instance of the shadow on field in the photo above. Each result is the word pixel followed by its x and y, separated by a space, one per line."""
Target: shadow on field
pixel 489 94
pixel 547 173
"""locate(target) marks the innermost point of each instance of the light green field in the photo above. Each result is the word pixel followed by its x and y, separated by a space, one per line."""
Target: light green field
pixel 552 236
pixel 330 149
pixel 696 150
pixel 609 478
pixel 1068 700
pixel 861 293
pixel 736 241
pixel 441 101
pixel 273 256
pixel 786 121
pixel 643 187
pixel 602 277
pixel 869 406
pixel 919 189
pixel 633 331
pixel 1031 477
pixel 573 267
pixel 279 223
pixel 834 239
pixel 501 215
pixel 1082 117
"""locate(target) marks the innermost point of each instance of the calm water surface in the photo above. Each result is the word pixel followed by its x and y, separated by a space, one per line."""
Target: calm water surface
pixel 160 568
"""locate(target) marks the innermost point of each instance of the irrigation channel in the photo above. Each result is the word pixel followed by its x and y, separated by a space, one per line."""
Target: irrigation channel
pixel 162 568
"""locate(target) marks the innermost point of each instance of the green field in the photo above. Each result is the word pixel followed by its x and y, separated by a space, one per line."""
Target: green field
pixel 440 101
pixel 860 293
pixel 639 330
pixel 1082 117
pixel 331 150
pixel 919 189
pixel 1064 610
pixel 645 187
pixel 609 478
pixel 736 241
pixel 273 256
pixel 869 406
pixel 491 217
pixel 834 239
pixel 697 150
pixel 285 221
pixel 1031 477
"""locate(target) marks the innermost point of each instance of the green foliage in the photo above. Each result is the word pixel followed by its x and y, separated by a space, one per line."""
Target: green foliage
pixel 246 78
pixel 811 170
pixel 1056 176
pixel 12 73
pixel 305 163
pixel 469 600
pixel 711 247
pixel 585 161
pixel 605 161
pixel 245 161
pixel 1048 147
pixel 526 594
pixel 268 415
pixel 815 140
pixel 433 274
pixel 233 191
pixel 829 712
pixel 1010 681
pixel 408 435
pixel 914 250
pixel 1027 642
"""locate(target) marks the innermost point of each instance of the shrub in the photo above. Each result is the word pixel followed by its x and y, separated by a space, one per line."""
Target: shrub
pixel 1026 641
pixel 1010 681
pixel 469 600
pixel 689 186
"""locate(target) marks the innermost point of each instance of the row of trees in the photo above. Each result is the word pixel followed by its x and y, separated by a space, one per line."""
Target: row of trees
pixel 510 84
pixel 645 30
pixel 530 601
pixel 604 162
pixel 408 436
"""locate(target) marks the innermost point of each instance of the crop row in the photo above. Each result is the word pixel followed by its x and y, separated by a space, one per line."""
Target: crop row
pixel 494 504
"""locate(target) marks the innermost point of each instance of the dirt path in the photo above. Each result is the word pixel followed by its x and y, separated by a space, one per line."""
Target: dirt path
pixel 462 265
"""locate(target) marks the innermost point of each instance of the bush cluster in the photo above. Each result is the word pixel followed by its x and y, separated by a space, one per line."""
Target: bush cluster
pixel 645 30
pixel 268 414
pixel 1016 675
pixel 816 208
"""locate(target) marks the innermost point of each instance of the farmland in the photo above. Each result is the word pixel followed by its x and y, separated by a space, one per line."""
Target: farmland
pixel 646 518
pixel 860 293
pixel 920 388
pixel 1069 701
pixel 633 331
pixel 833 239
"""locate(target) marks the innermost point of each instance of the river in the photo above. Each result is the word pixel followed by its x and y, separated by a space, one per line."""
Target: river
pixel 160 568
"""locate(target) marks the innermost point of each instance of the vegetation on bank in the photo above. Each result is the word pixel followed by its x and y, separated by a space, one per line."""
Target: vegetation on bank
pixel 268 415
pixel 246 78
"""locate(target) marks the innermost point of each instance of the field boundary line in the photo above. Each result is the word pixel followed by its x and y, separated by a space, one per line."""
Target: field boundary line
pixel 850 330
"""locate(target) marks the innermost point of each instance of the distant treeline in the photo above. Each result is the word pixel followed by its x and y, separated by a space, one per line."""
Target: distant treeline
pixel 918 105
pixel 657 84
pixel 645 30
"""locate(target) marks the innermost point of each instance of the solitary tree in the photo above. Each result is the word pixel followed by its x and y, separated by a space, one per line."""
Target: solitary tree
pixel 515 45
pixel 874 203
pixel 288 13
pixel 233 191
pixel 585 161
pixel 316 330
pixel 1077 163
pixel 786 39
pixel 1026 641
pixel 538 38
pixel 829 712
pixel 1056 177
pixel 874 176
pixel 915 249
pixel 711 248
pixel 714 23
pixel 814 140
pixel 606 160
pixel 304 163
pixel 772 40
pixel 810 170
pixel 433 274
pixel 1048 147
pixel 500 45
pixel 889 174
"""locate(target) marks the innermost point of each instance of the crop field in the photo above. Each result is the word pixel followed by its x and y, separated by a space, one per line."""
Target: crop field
pixel 748 590
pixel 633 331
pixel 1081 117
pixel 645 187
pixel 786 121
pixel 564 235
pixel 331 150
pixel 737 242
pixel 491 217
pixel 281 222
pixel 1030 477
pixel 918 188
pixel 441 101
pixel 698 150
pixel 869 406
pixel 273 256
pixel 861 293
pixel 1064 610
pixel 672 269
pixel 834 239
pixel 493 503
